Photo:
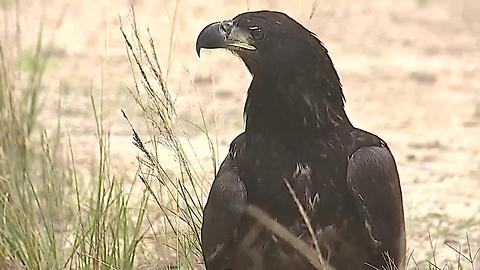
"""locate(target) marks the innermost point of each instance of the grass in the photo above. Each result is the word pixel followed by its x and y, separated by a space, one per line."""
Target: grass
pixel 180 195
pixel 54 216
pixel 50 219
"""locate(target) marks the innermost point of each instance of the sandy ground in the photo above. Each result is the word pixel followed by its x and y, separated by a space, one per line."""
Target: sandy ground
pixel 410 71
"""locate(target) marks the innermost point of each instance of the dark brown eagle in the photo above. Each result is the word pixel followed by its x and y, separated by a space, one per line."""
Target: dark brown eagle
pixel 297 132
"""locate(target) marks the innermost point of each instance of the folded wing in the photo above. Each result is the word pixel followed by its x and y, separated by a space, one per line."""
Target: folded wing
pixel 221 217
pixel 373 181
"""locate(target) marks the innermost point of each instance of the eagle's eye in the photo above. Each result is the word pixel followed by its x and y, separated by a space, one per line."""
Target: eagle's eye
pixel 256 32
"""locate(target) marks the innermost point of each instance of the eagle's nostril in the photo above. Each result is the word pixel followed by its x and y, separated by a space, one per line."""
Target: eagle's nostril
pixel 226 27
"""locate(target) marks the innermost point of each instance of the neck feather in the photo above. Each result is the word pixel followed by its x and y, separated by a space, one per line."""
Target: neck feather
pixel 295 103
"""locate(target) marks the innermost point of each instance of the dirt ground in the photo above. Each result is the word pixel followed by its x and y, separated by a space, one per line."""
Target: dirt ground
pixel 410 71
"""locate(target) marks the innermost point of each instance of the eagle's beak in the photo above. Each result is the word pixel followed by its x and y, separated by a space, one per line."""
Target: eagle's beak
pixel 223 35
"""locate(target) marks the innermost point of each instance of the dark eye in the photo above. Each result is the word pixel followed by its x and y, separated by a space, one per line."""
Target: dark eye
pixel 256 32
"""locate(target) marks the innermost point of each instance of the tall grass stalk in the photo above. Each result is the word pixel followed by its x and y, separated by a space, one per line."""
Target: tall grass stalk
pixel 178 192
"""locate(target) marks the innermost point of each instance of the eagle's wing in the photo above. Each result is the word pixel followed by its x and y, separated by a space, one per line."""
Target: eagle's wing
pixel 222 215
pixel 373 181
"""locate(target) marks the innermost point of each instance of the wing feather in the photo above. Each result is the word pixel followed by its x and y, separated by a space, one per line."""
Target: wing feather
pixel 222 215
pixel 373 181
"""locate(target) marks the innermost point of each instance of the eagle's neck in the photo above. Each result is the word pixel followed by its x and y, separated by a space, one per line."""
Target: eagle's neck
pixel 295 103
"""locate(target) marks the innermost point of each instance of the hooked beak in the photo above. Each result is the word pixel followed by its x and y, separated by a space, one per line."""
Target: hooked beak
pixel 223 35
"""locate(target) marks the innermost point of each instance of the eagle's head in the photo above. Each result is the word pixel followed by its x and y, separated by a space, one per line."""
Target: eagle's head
pixel 295 85
pixel 264 40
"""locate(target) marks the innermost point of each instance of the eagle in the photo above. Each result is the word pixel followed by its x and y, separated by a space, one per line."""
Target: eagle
pixel 298 151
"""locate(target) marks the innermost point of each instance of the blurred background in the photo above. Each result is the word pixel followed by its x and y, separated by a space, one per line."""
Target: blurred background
pixel 410 72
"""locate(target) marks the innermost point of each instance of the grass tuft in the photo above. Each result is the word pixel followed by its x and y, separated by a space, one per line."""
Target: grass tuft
pixel 53 216
pixel 177 189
